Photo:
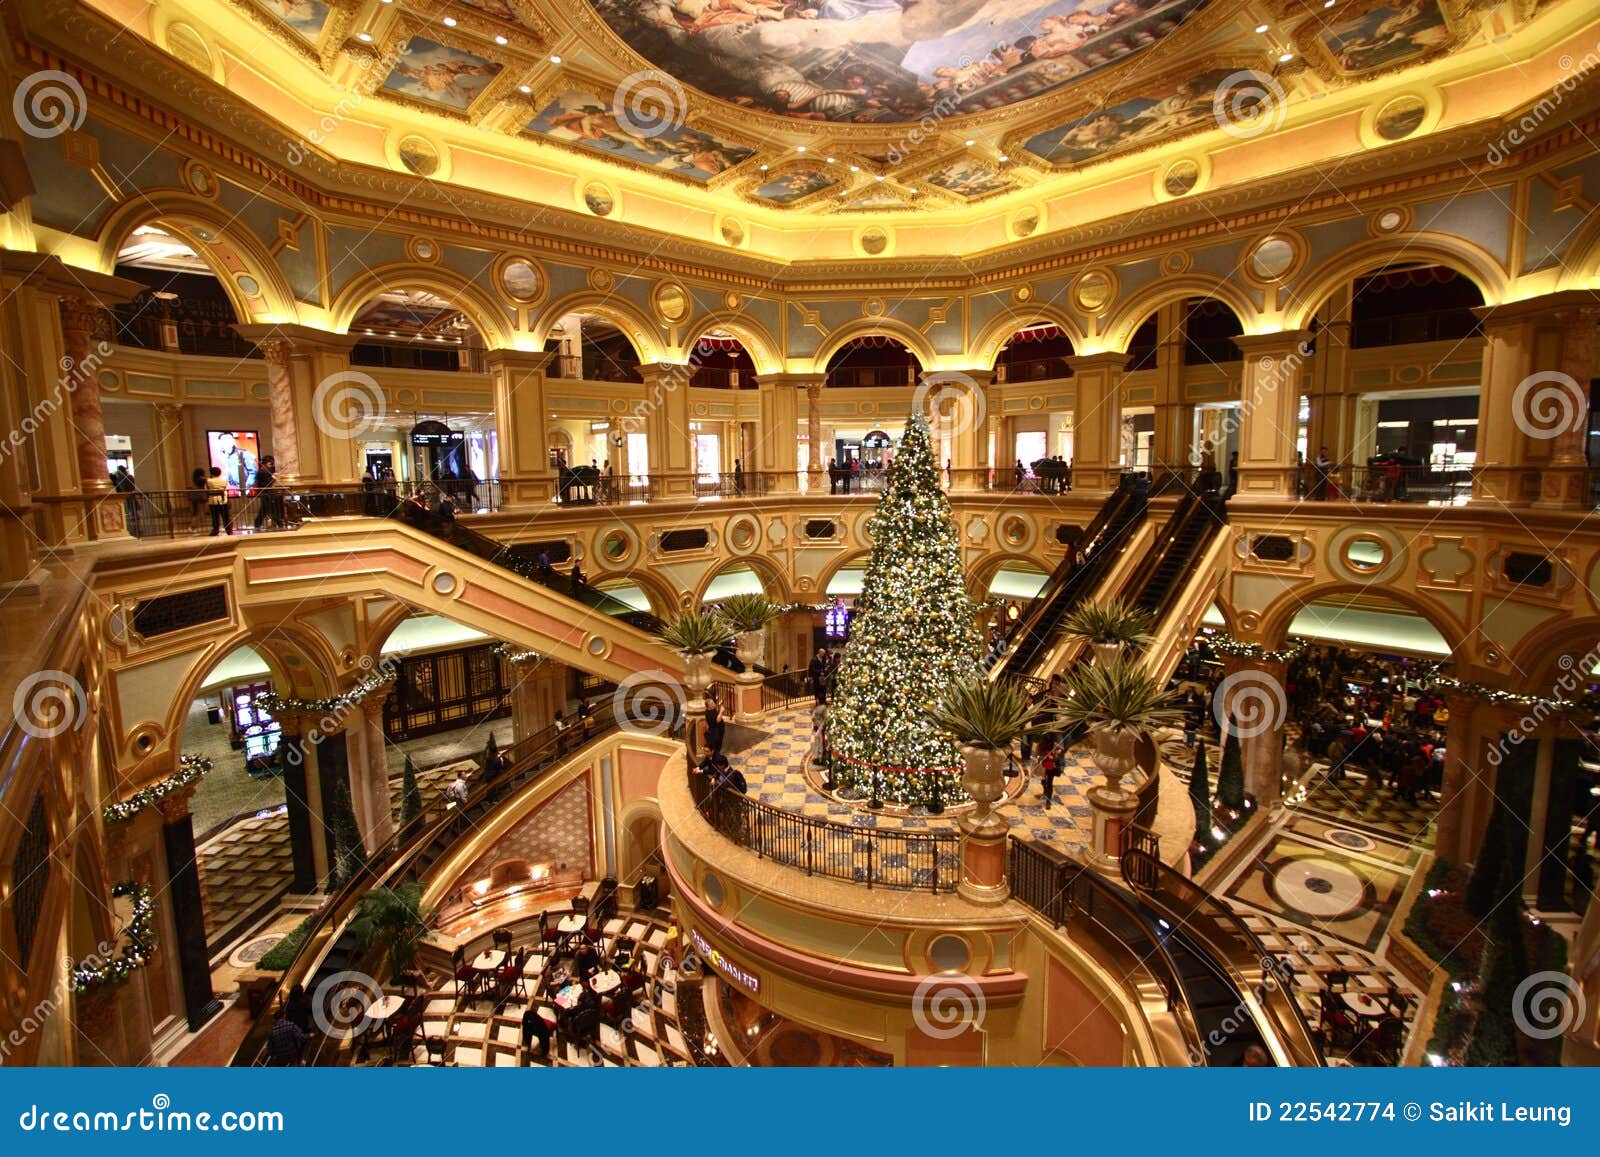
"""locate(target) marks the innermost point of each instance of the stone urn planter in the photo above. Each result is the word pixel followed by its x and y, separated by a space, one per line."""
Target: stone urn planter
pixel 1113 755
pixel 984 779
pixel 749 646
pixel 697 674
pixel 1105 653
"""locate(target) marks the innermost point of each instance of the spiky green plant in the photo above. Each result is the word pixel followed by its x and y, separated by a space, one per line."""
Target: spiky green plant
pixel 695 632
pixel 1116 696
pixel 410 796
pixel 748 612
pixel 976 712
pixel 1113 621
pixel 393 922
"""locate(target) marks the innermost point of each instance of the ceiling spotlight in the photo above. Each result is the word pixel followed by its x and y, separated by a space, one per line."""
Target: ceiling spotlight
pixel 501 40
pixel 1261 27
pixel 449 21
pixel 855 168
pixel 385 1
pixel 880 176
pixel 1329 3
pixel 524 88
pixel 364 37
pixel 800 148
pixel 555 59
pixel 1285 57
pixel 971 143
pixel 763 168
pixel 1004 158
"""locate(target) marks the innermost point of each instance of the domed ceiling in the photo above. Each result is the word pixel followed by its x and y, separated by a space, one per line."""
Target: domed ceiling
pixel 873 61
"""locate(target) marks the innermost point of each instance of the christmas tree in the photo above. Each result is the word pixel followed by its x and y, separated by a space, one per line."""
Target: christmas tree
pixel 349 853
pixel 410 796
pixel 1200 793
pixel 1230 780
pixel 913 634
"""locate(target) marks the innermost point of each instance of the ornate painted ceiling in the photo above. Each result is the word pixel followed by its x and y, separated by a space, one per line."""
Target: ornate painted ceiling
pixel 770 117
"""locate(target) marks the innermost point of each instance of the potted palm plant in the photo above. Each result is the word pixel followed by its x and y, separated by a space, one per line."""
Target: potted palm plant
pixel 749 615
pixel 393 923
pixel 696 635
pixel 985 719
pixel 1117 701
pixel 1108 627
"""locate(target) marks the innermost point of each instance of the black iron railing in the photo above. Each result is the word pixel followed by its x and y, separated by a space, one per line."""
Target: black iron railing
pixel 912 860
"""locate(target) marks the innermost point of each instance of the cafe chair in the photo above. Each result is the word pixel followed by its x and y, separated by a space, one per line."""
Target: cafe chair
pixel 580 905
pixel 1337 980
pixel 435 1047
pixel 502 940
pixel 549 937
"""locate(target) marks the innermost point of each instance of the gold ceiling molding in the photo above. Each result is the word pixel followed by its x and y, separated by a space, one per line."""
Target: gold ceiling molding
pixel 588 238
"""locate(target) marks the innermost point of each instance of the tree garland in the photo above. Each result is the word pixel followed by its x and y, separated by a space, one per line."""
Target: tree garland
pixel 190 768
pixel 1434 678
pixel 1225 644
pixel 142 942
pixel 274 704
pixel 511 655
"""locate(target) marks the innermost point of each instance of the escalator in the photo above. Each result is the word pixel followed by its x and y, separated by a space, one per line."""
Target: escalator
pixel 1104 540
pixel 1194 522
pixel 506 557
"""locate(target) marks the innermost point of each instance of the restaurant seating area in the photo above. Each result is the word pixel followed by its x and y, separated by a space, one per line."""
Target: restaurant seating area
pixel 603 984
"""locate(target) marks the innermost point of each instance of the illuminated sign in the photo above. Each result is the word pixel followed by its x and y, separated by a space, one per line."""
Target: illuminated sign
pixel 734 972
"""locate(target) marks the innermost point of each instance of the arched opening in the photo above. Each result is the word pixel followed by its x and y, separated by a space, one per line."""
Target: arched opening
pixel 592 347
pixel 1030 442
pixel 873 360
pixel 640 844
pixel 1034 353
pixel 416 329
pixel 185 308
pixel 722 363
pixel 737 578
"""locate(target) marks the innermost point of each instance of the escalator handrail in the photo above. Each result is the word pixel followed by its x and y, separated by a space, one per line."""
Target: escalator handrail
pixel 1107 536
pixel 1185 903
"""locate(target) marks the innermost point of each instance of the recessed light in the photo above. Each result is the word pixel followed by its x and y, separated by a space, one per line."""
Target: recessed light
pixel 763 168
pixel 855 168
pixel 830 160
pixel 800 148
pixel 1261 27
pixel 971 143
pixel 365 37
pixel 1004 158
pixel 1329 3
pixel 501 40
pixel 524 88
pixel 385 1
pixel 555 59
pixel 449 21
pixel 880 176
pixel 1285 57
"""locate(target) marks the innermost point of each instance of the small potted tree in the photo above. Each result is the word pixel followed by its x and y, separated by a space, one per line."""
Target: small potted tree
pixel 1108 627
pixel 393 923
pixel 748 616
pixel 696 635
pixel 1116 701
pixel 985 719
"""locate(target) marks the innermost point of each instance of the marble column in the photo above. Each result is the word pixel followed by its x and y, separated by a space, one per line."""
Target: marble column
pixel 1275 365
pixel 1255 699
pixel 1174 418
pixel 776 442
pixel 517 379
pixel 1564 482
pixel 1097 422
pixel 188 908
pixel 1462 750
pixel 814 456
pixel 81 375
pixel 173 449
pixel 280 406
pixel 380 800
pixel 962 399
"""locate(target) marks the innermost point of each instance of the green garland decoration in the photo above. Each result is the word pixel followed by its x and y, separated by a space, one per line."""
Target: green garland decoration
pixel 190 768
pixel 141 937
pixel 1225 644
pixel 274 704
pixel 1542 703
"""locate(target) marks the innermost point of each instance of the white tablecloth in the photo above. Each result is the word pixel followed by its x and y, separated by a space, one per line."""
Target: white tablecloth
pixel 573 923
pixel 606 981
pixel 488 961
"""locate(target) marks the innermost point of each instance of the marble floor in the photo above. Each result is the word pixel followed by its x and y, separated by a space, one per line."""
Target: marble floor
pixel 773 764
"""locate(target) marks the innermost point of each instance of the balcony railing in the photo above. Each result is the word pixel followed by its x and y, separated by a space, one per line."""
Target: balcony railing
pixel 909 860
pixel 183 513
pixel 1032 370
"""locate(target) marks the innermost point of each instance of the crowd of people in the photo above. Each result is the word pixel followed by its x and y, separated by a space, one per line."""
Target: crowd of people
pixel 854 476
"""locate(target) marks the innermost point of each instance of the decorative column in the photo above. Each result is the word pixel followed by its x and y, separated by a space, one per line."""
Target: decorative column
pixel 304 814
pixel 173 447
pixel 1522 402
pixel 280 407
pixel 517 381
pixel 1097 422
pixel 333 774
pixel 814 434
pixel 960 396
pixel 983 833
pixel 1174 432
pixel 1462 751
pixel 1269 413
pixel 777 433
pixel 1255 699
pixel 380 803
pixel 665 414
pixel 79 317
pixel 1564 483
pixel 1331 403
pixel 188 908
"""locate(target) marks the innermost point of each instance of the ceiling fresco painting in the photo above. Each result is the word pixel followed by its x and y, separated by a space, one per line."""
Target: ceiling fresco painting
pixel 584 119
pixel 1384 37
pixel 868 61
pixel 307 18
pixel 1136 122
pixel 439 74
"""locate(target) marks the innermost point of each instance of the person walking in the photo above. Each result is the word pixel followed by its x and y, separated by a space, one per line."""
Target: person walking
pixel 1049 768
pixel 217 501
pixel 817 674
pixel 269 500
